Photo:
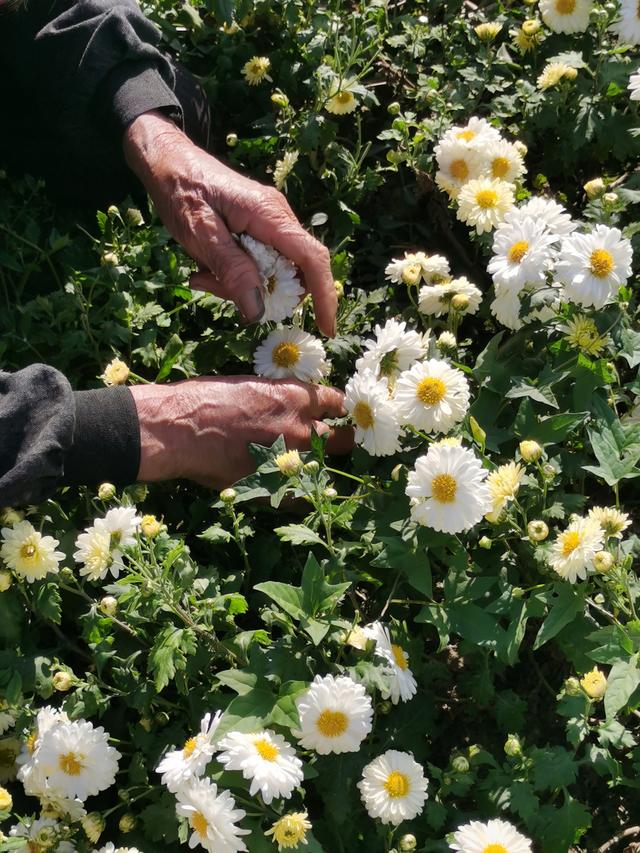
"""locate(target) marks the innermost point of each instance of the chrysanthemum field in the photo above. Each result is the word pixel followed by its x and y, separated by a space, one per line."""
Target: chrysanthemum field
pixel 432 644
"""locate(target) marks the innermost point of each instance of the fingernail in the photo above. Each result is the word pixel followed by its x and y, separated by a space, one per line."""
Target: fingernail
pixel 252 305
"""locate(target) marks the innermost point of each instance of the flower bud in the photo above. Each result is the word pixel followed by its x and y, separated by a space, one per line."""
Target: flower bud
pixel 228 496
pixel 549 471
pixel 146 723
pixel 412 274
pixel 311 467
pixel 116 372
pixel 485 543
pixel 460 302
pixel 610 198
pixel 6 579
pixel 66 574
pixel 521 148
pixel 517 592
pixel 134 216
pixel 512 746
pixel 232 140
pixel 126 823
pixel 150 526
pixel 289 463
pixel 339 288
pixel 6 800
pixel 138 492
pixel 113 211
pixel 10 516
pixel 603 561
pixel 385 707
pixel 473 750
pixel 357 638
pixel 393 108
pixel 407 843
pixel 599 599
pixel 106 491
pixel 537 530
pixel 279 99
pixel 63 681
pixel 93 825
pixel 446 341
pixel 595 188
pixel 530 450
pixel 162 719
pixel 109 259
pixel 330 493
pixel 488 31
pixel 572 687
pixel 594 684
pixel 460 764
pixel 395 473
pixel 530 27
pixel 109 605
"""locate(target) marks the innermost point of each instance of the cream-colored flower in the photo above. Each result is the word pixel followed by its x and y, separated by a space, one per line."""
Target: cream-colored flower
pixel 553 73
pixel 290 830
pixel 28 553
pixel 289 463
pixel 432 396
pixel 581 333
pixel 530 450
pixel 457 164
pixel 336 715
pixel 150 527
pixel 476 133
pixel 393 350
pixel 594 683
pixel 566 16
pixel 611 520
pixel 393 787
pixel 403 684
pixel 484 202
pixel 488 31
pixel 100 548
pixel 573 551
pixel 180 766
pixel 341 98
pixel 417 266
pixel 256 70
pixel 522 254
pixel 438 299
pixel 284 167
pixel 502 160
pixel 116 372
pixel 494 836
pixel 503 485
pixel 537 530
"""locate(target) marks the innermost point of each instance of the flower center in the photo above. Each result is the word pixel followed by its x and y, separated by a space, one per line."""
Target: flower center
pixel 398 655
pixel 431 391
pixel 467 135
pixel 495 848
pixel 31 742
pixel 487 198
pixel 189 748
pixel 70 763
pixel 344 97
pixel 499 167
pixel 28 551
pixel 332 723
pixel 517 252
pixel 397 785
pixel 444 488
pixel 563 7
pixel 286 354
pixel 363 415
pixel 199 824
pixel 570 542
pixel 272 283
pixel 389 363
pixel 459 170
pixel 601 263
pixel 266 750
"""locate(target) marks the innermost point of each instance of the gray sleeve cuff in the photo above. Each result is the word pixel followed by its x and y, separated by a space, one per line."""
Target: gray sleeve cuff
pixel 134 88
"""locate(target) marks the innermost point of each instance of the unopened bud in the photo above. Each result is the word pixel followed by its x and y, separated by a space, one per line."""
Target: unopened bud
pixel 460 764
pixel 549 471
pixel 228 496
pixel 572 687
pixel 594 684
pixel 537 530
pixel 126 823
pixel 473 750
pixel 393 108
pixel 63 681
pixel 289 463
pixel 146 723
pixel 530 27
pixel 603 561
pixel 530 450
pixel 485 543
pixel 395 473
pixel 599 599
pixel 109 605
pixel 339 288
pixel 162 719
pixel 66 574
pixel 407 843
pixel 512 746
pixel 385 707
pixel 517 592
pixel 150 526
pixel 109 259
pixel 610 198
pixel 330 493
pixel 279 99
pixel 446 341
pixel 412 274
pixel 521 148
pixel 134 216
pixel 6 800
pixel 460 302
pixel 93 825
pixel 595 188
pixel 357 638
pixel 106 491
pixel 488 31
pixel 10 516
pixel 6 579
pixel 232 140
pixel 311 467
pixel 113 211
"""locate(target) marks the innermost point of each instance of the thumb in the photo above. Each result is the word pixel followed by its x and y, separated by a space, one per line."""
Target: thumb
pixel 234 274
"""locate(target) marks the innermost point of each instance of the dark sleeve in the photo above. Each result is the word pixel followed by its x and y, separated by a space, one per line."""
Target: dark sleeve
pixel 51 436
pixel 88 60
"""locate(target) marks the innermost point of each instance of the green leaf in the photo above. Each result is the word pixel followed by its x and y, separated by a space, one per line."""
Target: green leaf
pixel 553 767
pixel 551 429
pixel 46 599
pixel 216 533
pixel 288 597
pixel 171 354
pixel 437 616
pixel 522 800
pixel 300 534
pixel 564 608
pixel 318 595
pixel 541 394
pixel 617 450
pixel 614 734
pixel 247 713
pixel 475 625
pixel 168 654
pixel 240 680
pixel 630 349
pixel 559 829
pixel 622 682
pixel 398 553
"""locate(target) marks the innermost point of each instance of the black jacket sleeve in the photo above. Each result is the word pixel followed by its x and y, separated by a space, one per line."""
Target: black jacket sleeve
pixel 51 436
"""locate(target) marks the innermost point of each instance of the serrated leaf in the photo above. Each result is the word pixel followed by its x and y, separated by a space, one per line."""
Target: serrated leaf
pixel 300 534
pixel 286 596
pixel 622 682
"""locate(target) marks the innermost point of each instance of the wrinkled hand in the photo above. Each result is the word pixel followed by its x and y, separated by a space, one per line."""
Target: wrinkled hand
pixel 200 201
pixel 199 429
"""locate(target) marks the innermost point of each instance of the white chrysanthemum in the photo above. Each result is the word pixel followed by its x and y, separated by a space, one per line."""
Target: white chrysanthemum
pixel 448 489
pixel 181 765
pixel 212 817
pixel 545 210
pixel 282 290
pixel 503 485
pixel 435 268
pixel 566 16
pixel 341 97
pixel 502 160
pixel 266 759
pixel 495 836
pixel 28 553
pixel 393 787
pixel 522 254
pixel 374 415
pixel 39 835
pixel 634 86
pixel 573 551
pixel 109 847
pixel 403 684
pixel 506 307
pixel 284 167
pixel 477 133
pixel 593 266
pixel 457 164
pixel 335 715
pixel 484 202
pixel 432 396
pixel 417 265
pixel 291 353
pixel 611 520
pixel 394 349
pixel 58 806
pixel 115 532
pixel 31 772
pixel 627 26
pixel 264 256
pixel 7 720
pixel 437 299
pixel 77 760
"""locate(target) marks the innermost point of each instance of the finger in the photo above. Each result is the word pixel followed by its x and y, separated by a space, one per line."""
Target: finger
pixel 233 273
pixel 329 402
pixel 203 280
pixel 340 439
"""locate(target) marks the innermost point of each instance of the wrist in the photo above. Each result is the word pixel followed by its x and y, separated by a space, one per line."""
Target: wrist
pixel 146 140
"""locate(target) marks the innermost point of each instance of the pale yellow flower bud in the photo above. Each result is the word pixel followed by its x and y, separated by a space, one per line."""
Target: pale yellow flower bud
pixel 106 491
pixel 460 302
pixel 446 341
pixel 109 605
pixel 10 516
pixel 487 32
pixel 485 543
pixel 109 259
pixel 603 561
pixel 537 530
pixel 63 681
pixel 357 638
pixel 127 823
pixel 610 198
pixel 595 188
pixel 407 843
pixel 232 140
pixel 289 463
pixel 572 687
pixel 112 211
pixel 311 467
pixel 116 372
pixel 394 108
pixel 512 746
pixel 412 274
pixel 6 800
pixel 6 579
pixel 228 496
pixel 530 450
pixel 93 825
pixel 339 288
pixel 594 684
pixel 134 216
pixel 150 526
pixel 521 148
pixel 279 99
pixel 330 493
pixel 460 764
pixel 530 27
pixel 395 473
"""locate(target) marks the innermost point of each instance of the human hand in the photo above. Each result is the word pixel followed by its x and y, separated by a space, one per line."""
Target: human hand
pixel 200 201
pixel 199 429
